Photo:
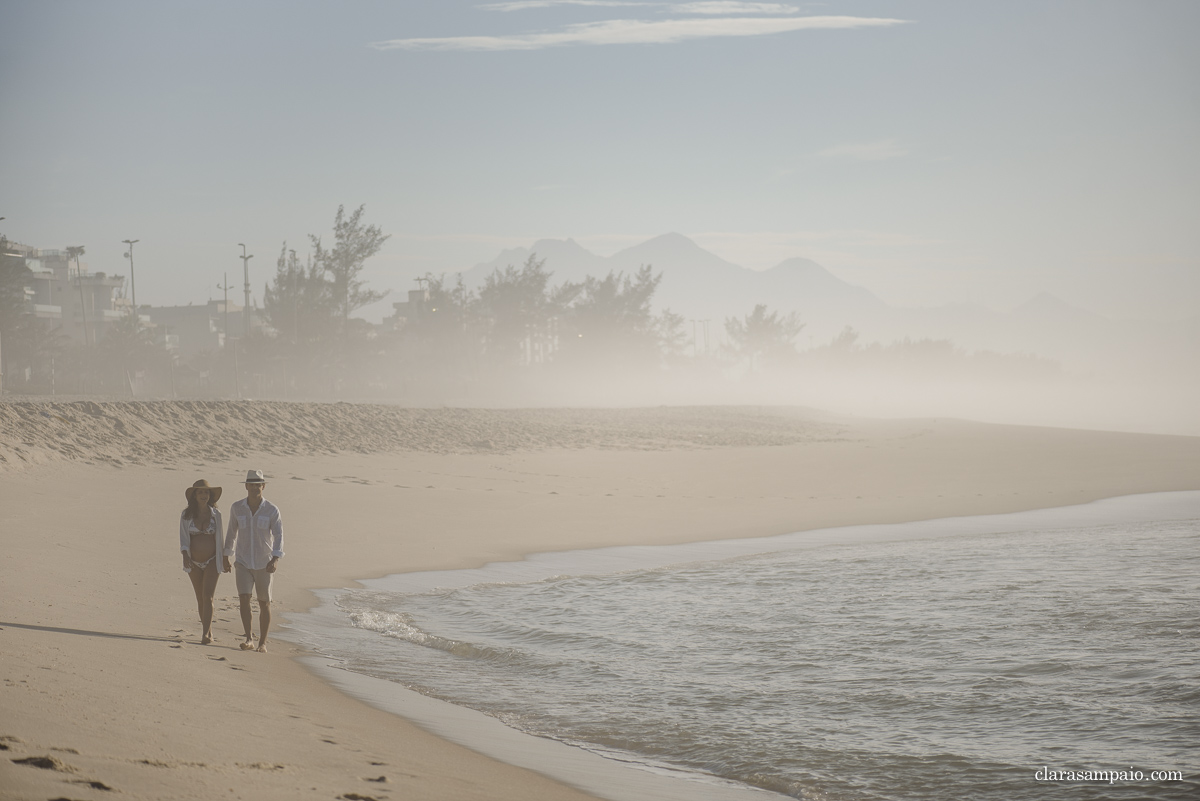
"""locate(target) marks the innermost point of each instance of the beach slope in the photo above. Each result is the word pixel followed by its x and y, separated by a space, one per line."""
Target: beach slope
pixel 105 684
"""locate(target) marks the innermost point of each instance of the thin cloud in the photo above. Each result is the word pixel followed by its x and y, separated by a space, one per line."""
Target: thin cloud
pixel 626 31
pixel 866 151
pixel 708 7
pixel 717 7
pixel 525 5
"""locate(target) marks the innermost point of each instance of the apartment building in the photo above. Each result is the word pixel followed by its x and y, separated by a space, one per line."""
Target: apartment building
pixel 81 304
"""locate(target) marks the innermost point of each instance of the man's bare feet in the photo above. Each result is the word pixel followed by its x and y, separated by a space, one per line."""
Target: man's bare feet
pixel 248 645
pixel 262 647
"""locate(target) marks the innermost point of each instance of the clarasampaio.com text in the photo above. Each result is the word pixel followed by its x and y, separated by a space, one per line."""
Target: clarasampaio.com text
pixel 1110 776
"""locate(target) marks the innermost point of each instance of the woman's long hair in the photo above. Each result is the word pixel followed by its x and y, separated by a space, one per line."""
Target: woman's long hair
pixel 193 508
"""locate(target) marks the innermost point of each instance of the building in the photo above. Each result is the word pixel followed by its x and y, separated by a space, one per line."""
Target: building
pixel 409 311
pixel 80 304
pixel 192 329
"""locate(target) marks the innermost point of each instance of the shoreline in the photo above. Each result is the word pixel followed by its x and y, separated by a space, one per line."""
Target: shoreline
pixel 617 777
pixel 98 632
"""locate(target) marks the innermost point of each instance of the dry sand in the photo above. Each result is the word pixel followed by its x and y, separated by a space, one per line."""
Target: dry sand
pixel 102 671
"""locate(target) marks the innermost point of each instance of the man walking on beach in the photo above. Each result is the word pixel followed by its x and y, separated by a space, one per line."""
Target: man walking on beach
pixel 255 533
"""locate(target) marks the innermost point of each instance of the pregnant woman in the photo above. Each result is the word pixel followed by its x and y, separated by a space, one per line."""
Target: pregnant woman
pixel 199 535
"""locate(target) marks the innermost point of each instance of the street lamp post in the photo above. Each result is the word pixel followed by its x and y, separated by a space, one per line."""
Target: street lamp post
pixel 246 309
pixel 132 283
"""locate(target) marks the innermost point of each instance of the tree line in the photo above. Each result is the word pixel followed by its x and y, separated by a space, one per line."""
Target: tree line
pixel 517 331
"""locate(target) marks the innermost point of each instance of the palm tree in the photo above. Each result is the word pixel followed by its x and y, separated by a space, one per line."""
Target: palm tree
pixel 74 252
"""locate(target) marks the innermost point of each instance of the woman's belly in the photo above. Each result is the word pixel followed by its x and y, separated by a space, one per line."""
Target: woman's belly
pixel 202 546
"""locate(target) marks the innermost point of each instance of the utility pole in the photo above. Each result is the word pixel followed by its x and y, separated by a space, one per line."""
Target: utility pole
pixel 225 308
pixel 237 380
pixel 132 285
pixel 246 309
pixel 82 302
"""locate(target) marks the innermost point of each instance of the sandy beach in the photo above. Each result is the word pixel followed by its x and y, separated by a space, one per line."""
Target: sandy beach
pixel 103 673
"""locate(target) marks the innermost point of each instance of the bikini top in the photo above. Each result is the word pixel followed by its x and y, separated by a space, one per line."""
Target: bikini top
pixel 211 528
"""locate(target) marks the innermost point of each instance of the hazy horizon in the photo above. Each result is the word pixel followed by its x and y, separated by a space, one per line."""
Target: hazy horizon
pixel 942 156
pixel 934 152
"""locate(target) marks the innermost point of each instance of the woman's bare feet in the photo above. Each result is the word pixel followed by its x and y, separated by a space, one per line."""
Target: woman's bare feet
pixel 248 645
pixel 262 647
pixel 206 639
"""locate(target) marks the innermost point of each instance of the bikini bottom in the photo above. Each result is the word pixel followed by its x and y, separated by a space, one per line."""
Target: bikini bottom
pixel 205 563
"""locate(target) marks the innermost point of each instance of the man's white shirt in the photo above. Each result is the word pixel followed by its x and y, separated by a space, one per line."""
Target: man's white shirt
pixel 256 537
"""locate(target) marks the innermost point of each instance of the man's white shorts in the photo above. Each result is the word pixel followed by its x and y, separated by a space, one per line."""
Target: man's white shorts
pixel 257 580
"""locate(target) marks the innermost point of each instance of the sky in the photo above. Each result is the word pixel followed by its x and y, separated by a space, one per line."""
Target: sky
pixel 933 152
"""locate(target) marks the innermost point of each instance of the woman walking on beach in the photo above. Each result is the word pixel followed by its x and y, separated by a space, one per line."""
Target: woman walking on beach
pixel 199 534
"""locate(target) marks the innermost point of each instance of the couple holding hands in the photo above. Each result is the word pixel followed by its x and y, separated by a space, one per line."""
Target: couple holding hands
pixel 254 539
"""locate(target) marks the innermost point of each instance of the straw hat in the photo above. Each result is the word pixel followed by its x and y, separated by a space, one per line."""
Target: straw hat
pixel 214 493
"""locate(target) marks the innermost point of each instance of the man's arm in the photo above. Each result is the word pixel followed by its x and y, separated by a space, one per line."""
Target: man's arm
pixel 276 540
pixel 231 535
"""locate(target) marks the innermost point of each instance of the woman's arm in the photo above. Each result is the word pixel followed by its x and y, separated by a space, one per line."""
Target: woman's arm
pixel 185 541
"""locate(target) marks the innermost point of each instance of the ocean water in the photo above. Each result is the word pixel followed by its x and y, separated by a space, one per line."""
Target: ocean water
pixel 947 660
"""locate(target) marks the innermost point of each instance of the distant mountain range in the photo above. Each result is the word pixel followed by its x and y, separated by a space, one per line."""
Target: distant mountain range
pixel 702 286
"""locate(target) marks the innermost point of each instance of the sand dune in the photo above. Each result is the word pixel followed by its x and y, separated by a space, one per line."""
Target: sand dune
pixel 155 432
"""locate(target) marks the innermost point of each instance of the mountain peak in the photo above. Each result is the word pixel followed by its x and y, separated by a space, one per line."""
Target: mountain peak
pixel 672 243
pixel 798 264
pixel 671 238
pixel 1045 304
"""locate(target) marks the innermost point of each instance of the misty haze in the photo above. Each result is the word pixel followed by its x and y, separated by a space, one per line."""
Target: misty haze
pixel 530 400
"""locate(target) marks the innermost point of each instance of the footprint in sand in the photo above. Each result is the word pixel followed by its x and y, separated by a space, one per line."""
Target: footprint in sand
pixel 95 785
pixel 45 763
